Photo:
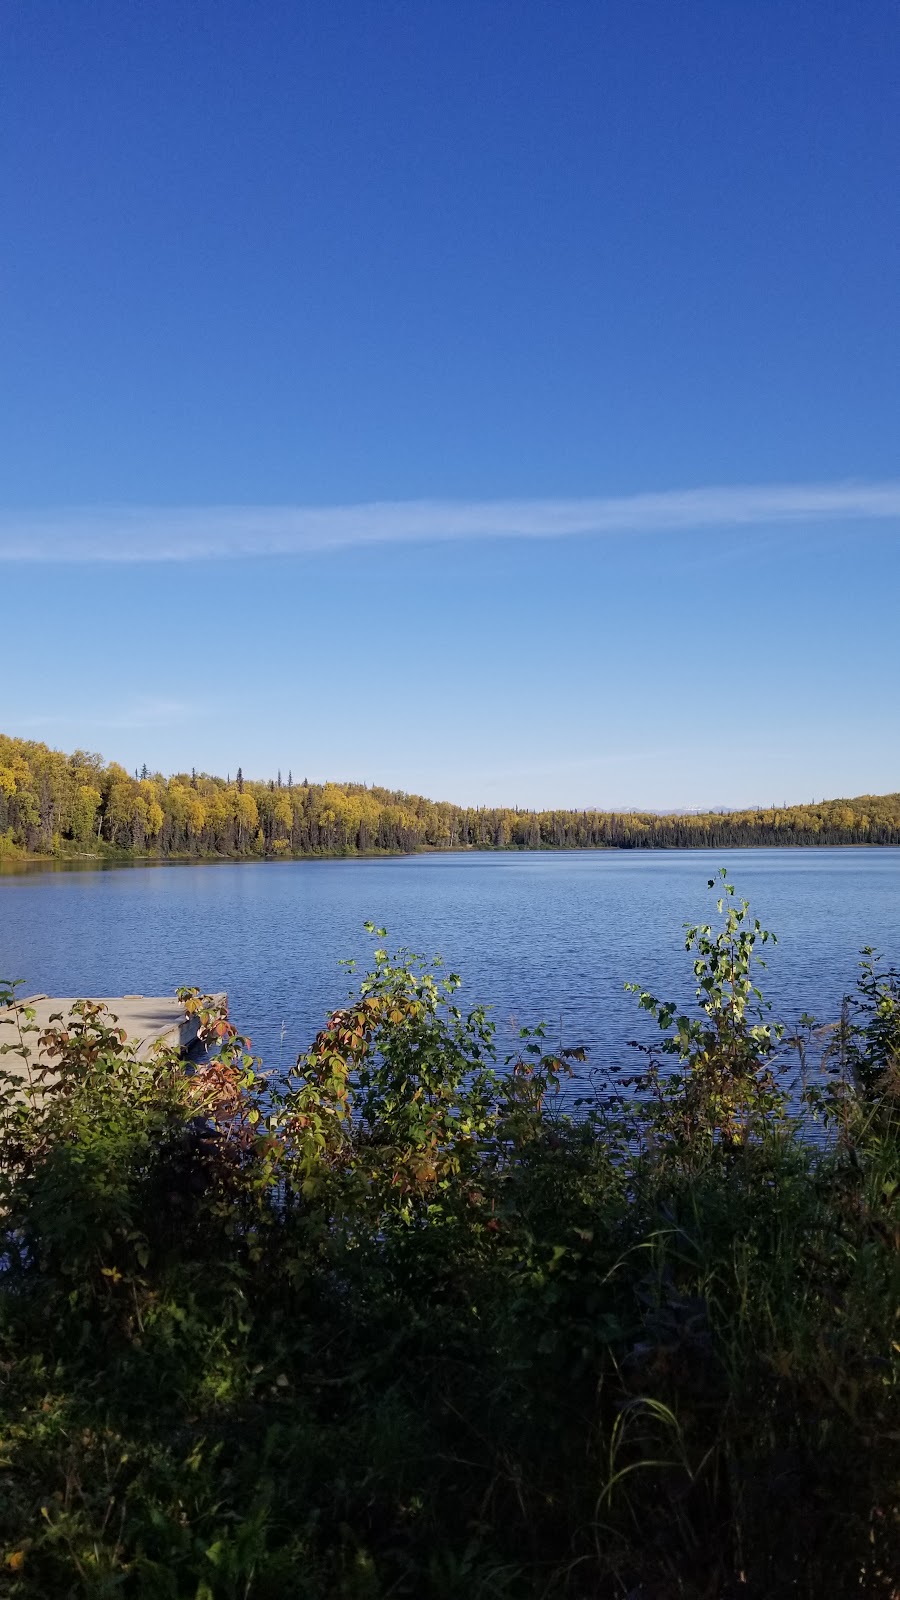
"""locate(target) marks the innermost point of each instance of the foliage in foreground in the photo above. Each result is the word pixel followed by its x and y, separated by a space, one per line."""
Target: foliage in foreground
pixel 77 804
pixel 395 1326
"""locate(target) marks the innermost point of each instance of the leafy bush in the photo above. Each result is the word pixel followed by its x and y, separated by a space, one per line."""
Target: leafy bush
pixel 394 1324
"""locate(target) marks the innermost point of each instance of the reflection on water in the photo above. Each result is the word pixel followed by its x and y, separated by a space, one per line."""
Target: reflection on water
pixel 540 936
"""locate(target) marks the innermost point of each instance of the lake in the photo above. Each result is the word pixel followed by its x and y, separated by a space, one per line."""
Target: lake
pixel 539 936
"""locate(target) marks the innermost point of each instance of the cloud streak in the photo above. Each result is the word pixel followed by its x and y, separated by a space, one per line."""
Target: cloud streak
pixel 203 533
pixel 147 712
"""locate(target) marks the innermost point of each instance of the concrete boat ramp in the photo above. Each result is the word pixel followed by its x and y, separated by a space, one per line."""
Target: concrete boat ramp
pixel 146 1019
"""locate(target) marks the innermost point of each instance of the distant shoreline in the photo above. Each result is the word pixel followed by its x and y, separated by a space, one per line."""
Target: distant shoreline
pixel 55 806
pixel 133 858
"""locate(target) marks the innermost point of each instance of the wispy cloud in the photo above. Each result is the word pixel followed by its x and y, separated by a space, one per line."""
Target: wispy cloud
pixel 196 533
pixel 145 712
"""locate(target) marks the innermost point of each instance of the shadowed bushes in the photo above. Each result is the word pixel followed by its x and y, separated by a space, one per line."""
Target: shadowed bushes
pixel 395 1325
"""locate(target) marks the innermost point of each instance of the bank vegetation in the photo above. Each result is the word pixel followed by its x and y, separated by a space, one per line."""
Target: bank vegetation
pixel 394 1325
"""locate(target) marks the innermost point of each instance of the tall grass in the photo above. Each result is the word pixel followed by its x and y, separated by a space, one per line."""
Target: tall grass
pixel 393 1325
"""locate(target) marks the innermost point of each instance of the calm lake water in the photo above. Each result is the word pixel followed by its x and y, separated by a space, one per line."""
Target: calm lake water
pixel 550 937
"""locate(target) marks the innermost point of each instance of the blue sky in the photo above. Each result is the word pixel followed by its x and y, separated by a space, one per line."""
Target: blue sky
pixel 495 400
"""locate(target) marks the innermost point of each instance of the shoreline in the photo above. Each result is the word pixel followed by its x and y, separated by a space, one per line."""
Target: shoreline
pixel 129 858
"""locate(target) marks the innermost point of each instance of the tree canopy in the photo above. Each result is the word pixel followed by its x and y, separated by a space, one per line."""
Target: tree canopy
pixel 56 803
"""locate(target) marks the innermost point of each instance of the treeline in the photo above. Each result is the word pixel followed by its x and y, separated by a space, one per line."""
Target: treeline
pixel 51 803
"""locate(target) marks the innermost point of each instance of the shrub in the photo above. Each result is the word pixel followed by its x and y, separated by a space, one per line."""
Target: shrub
pixel 394 1324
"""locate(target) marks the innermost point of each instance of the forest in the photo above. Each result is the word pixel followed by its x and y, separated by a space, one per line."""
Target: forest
pixel 79 804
